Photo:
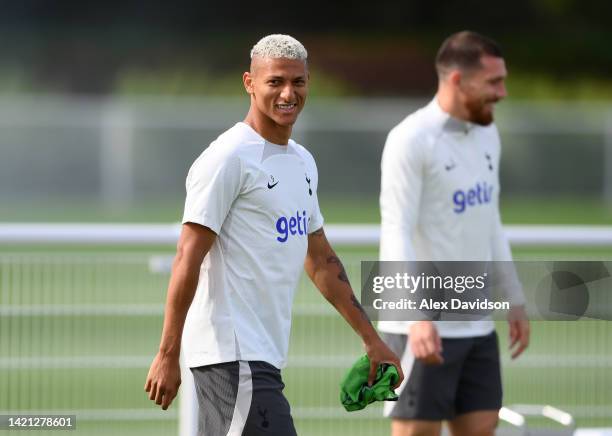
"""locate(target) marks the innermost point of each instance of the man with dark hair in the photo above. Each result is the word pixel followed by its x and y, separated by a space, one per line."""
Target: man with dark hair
pixel 440 202
pixel 463 50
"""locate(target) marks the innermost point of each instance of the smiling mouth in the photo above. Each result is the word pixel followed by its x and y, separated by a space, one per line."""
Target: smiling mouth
pixel 286 107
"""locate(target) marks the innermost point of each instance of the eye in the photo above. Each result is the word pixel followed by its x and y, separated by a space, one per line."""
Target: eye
pixel 274 82
pixel 299 82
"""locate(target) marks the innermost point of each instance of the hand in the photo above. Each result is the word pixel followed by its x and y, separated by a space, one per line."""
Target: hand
pixel 425 343
pixel 379 352
pixel 519 330
pixel 163 380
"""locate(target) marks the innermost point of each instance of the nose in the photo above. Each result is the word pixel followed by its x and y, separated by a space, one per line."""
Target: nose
pixel 287 93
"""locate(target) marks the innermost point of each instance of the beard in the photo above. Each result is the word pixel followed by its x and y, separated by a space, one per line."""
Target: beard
pixel 480 112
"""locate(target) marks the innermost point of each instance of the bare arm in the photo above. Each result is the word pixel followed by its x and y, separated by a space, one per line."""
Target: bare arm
pixel 327 272
pixel 164 375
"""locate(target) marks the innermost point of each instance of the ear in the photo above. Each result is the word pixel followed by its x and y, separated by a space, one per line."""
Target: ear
pixel 247 80
pixel 454 77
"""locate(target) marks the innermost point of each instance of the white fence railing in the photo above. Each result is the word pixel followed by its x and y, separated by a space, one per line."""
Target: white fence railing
pixel 155 234
pixel 341 234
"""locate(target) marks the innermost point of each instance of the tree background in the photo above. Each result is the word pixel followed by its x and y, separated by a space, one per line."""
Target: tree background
pixel 554 48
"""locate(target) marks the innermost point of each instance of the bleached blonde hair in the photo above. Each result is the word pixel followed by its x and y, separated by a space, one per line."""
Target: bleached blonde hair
pixel 279 46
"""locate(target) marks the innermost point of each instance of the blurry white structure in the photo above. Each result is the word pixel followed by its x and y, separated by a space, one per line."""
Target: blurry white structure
pixel 121 150
pixel 116 157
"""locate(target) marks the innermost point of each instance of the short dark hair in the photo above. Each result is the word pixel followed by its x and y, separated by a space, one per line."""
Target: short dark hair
pixel 463 50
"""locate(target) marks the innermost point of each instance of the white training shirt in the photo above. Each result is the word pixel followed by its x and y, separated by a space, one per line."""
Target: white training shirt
pixel 261 200
pixel 439 201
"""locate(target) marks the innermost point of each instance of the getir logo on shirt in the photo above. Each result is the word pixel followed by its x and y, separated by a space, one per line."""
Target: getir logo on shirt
pixel 294 225
pixel 482 193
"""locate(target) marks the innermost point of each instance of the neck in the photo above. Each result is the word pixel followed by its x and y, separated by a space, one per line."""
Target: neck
pixel 450 103
pixel 267 128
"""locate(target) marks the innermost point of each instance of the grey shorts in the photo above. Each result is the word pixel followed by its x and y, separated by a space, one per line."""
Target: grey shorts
pixel 469 380
pixel 242 398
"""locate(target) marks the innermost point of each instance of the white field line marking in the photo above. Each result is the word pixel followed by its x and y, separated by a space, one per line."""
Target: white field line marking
pixel 129 310
pixel 306 361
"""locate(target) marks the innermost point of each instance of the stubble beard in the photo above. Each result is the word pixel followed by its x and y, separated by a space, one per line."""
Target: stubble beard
pixel 478 113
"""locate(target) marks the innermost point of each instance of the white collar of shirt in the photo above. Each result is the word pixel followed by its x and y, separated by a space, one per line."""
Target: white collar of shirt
pixel 252 135
pixel 449 123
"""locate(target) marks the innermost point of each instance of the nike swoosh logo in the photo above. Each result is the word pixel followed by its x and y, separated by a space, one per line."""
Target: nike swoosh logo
pixel 449 167
pixel 272 186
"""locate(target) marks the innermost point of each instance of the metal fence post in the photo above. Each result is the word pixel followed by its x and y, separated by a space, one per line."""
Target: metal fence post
pixel 116 155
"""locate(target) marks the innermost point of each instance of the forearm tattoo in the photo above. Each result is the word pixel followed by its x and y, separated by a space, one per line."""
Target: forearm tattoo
pixel 359 307
pixel 342 275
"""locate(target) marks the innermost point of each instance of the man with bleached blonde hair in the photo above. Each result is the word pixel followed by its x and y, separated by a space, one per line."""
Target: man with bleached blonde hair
pixel 251 224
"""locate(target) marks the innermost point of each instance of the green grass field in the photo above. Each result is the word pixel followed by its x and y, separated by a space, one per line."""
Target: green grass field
pixel 90 357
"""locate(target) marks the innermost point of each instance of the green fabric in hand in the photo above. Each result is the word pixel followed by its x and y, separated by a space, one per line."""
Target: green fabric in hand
pixel 355 394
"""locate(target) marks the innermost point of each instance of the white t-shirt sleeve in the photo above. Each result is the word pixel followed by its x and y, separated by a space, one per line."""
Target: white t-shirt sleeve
pixel 502 259
pixel 400 195
pixel 316 218
pixel 213 183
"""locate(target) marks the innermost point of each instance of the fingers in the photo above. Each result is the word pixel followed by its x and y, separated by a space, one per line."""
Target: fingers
pixel 159 396
pixel 379 353
pixel 401 374
pixel 168 397
pixel 519 330
pixel 430 346
pixel 153 391
pixel 374 366
pixel 419 347
pixel 163 381
pixel 519 350
pixel 428 349
pixel 432 351
pixel 398 366
pixel 513 334
pixel 415 347
pixel 372 374
pixel 522 345
pixel 521 338
pixel 162 396
pixel 435 359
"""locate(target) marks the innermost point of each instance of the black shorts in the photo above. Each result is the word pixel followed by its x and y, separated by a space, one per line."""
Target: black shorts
pixel 242 398
pixel 469 380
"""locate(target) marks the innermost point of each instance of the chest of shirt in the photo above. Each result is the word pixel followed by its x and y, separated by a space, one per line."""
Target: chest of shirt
pixel 278 198
pixel 462 175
